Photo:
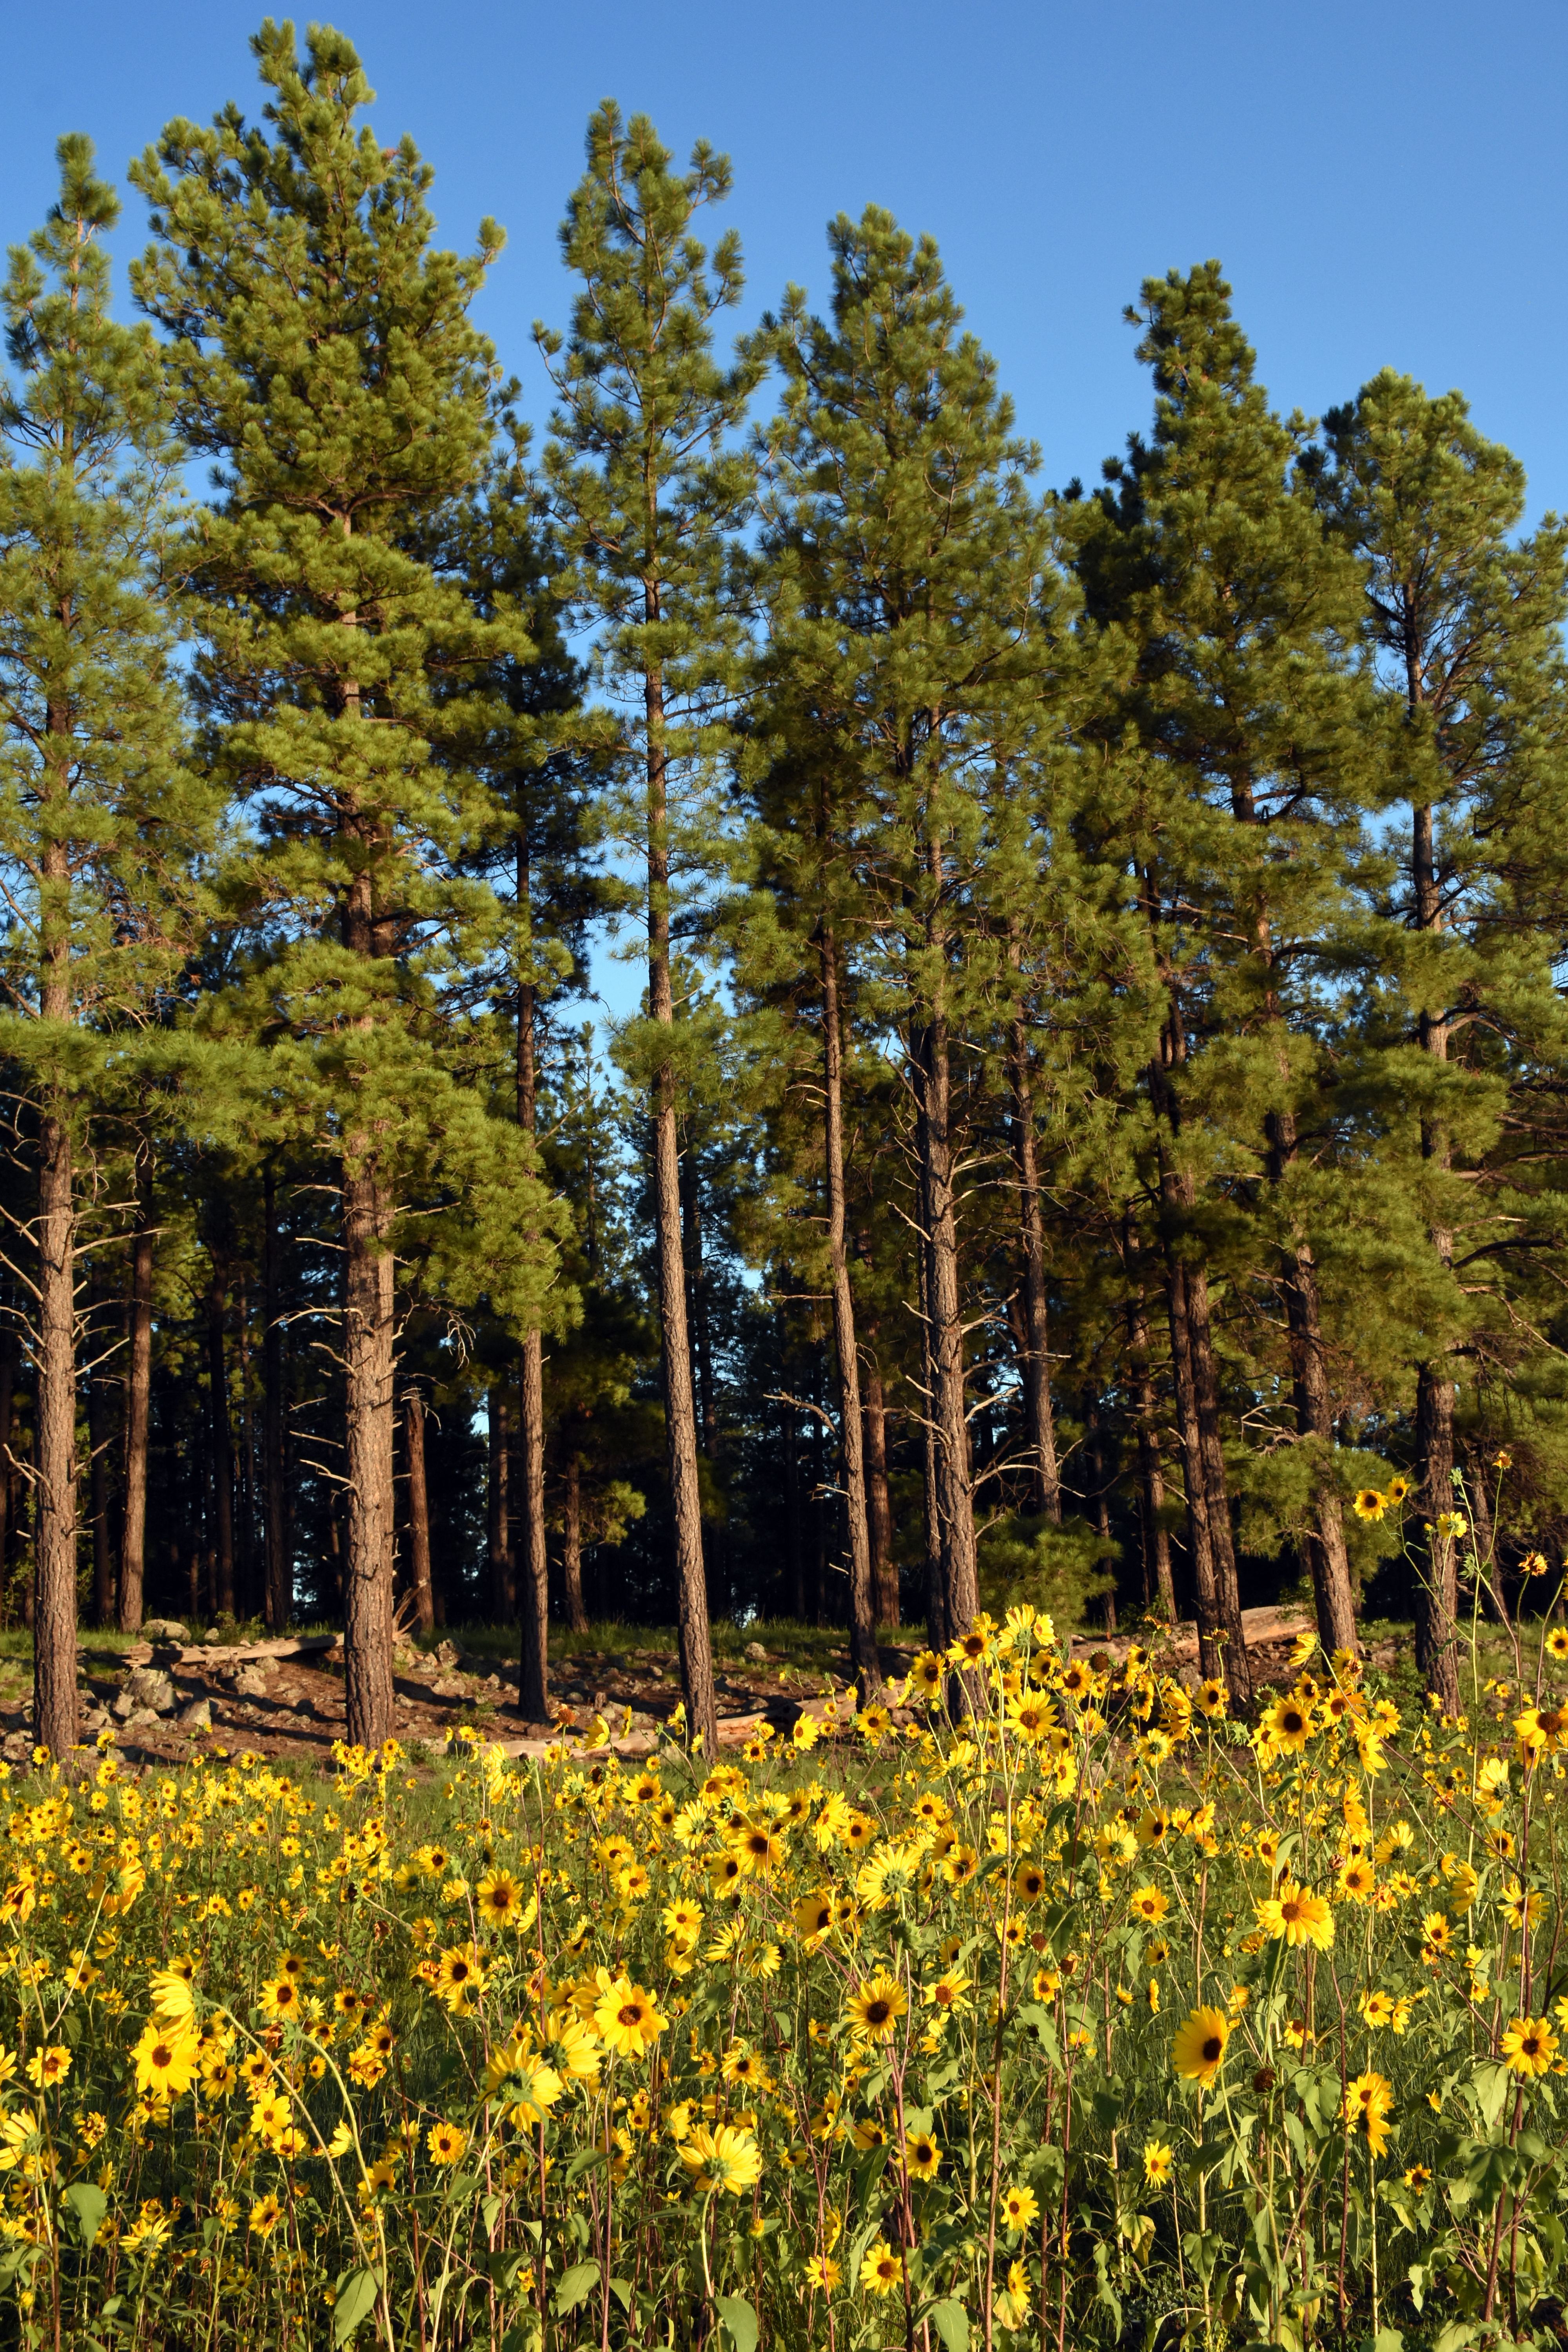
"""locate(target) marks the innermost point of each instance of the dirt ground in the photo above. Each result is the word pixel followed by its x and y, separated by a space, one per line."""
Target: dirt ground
pixel 286 1699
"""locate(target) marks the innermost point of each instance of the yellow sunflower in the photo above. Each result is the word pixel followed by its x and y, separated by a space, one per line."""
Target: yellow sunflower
pixel 1198 2050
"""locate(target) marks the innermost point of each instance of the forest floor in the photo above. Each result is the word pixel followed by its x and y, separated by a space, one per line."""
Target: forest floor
pixel 166 1700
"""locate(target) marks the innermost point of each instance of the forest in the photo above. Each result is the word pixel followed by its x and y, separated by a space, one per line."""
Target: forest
pixel 1092 1129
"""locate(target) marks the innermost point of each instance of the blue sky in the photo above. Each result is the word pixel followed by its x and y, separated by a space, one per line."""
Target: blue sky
pixel 1384 184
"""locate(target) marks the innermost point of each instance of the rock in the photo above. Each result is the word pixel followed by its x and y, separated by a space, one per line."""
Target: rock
pixel 755 1650
pixel 163 1629
pixel 196 1714
pixel 447 1687
pixel 251 1682
pixel 143 1718
pixel 150 1687
pixel 445 1653
pixel 211 1633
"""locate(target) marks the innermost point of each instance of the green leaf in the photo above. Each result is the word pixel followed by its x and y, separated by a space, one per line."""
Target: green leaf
pixel 622 2291
pixel 951 2323
pixel 88 2204
pixel 585 2161
pixel 576 2285
pixel 356 2300
pixel 1458 2333
pixel 739 2319
pixel 490 2207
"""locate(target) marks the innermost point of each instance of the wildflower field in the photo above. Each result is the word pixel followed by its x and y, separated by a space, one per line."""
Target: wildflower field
pixel 1062 2010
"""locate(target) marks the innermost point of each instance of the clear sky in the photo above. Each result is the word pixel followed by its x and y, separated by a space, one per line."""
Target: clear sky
pixel 1382 181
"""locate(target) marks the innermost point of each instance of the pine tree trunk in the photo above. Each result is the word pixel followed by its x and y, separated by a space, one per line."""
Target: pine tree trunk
pixel 7 1425
pixel 99 1441
pixel 572 1545
pixel 1094 1423
pixel 419 1510
pixel 863 1655
pixel 533 1680
pixel 252 1601
pixel 795 1540
pixel 55 1538
pixel 368 1351
pixel 274 1406
pixel 879 1509
pixel 675 1346
pixel 1159 1584
pixel 129 1601
pixel 955 1497
pixel 504 1585
pixel 938 1625
pixel 1039 1422
pixel 222 1445
pixel 1331 1561
pixel 1199 1549
pixel 1228 1593
pixel 1438 1579
pixel 1437 1587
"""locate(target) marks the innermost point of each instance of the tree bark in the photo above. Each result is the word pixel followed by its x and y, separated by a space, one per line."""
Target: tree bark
pixel 794 1540
pixel 98 1442
pixel 55 1538
pixel 368 1353
pixel 1158 1583
pixel 938 1625
pixel 863 1655
pixel 675 1345
pixel 8 1425
pixel 572 1545
pixel 252 1601
pixel 279 1600
pixel 130 1599
pixel 1094 1423
pixel 418 1509
pixel 879 1508
pixel 533 1582
pixel 1199 1549
pixel 1038 1418
pixel 1438 1588
pixel 503 1581
pixel 954 1496
pixel 1437 1581
pixel 222 1444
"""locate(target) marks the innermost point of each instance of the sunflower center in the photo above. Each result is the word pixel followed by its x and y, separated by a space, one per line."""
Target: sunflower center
pixel 1212 2050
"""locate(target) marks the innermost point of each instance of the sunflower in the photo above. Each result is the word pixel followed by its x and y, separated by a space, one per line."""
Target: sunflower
pixel 1557 1640
pixel 627 2018
pixel 1020 2206
pixel 756 1849
pixel 166 2057
pixel 500 1899
pixel 1528 2046
pixel 1368 2099
pixel 1419 2177
pixel 1031 1882
pixel 814 1915
pixel 1149 1904
pixel 821 2273
pixel 171 1997
pixel 279 1996
pixel 1298 1915
pixel 683 1921
pixel 923 2157
pixel 874 2008
pixel 726 2159
pixel 1159 2163
pixel 1198 2050
pixel 927 1674
pixel 1211 1697
pixel 1289 1723
pixel 446 2142
pixel 948 1993
pixel 460 1977
pixel 1377 2008
pixel 1370 1504
pixel 883 2268
pixel 265 2215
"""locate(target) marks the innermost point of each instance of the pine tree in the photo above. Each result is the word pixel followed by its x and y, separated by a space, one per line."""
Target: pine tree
pixel 911 584
pixel 324 356
pixel 98 818
pixel 1266 762
pixel 1463 621
pixel 646 498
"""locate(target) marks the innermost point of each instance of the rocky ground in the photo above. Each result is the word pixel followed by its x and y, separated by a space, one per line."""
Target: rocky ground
pixel 172 1695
